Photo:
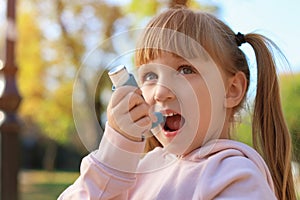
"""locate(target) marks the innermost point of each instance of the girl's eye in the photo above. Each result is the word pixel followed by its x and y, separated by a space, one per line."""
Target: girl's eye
pixel 186 69
pixel 150 76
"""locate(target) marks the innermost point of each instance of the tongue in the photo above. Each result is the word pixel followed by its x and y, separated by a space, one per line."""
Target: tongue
pixel 173 123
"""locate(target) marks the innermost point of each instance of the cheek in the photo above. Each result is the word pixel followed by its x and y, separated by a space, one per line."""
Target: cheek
pixel 147 92
pixel 205 108
pixel 204 100
pixel 202 93
pixel 199 110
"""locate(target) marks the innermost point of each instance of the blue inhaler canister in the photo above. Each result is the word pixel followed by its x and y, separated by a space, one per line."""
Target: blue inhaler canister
pixel 119 76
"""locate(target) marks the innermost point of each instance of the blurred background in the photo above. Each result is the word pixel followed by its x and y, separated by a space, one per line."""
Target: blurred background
pixel 43 45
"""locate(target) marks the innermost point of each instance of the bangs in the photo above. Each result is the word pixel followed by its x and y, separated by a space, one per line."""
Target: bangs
pixel 156 40
pixel 186 34
pixel 167 35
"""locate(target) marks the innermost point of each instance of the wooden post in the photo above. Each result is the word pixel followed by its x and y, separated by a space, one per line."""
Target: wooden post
pixel 9 102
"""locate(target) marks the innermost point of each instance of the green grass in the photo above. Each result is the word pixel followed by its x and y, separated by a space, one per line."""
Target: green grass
pixel 34 185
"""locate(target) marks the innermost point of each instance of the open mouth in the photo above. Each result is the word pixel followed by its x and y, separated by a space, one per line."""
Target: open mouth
pixel 174 121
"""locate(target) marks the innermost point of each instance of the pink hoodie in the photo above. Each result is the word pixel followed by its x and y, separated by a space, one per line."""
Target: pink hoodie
pixel 222 169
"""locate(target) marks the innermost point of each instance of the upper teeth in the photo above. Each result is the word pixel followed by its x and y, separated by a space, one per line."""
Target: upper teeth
pixel 170 114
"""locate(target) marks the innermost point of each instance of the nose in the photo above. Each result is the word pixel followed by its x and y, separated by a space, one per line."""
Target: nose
pixel 163 93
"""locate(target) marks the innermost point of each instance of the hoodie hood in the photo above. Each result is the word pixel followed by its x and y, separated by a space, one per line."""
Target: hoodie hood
pixel 223 148
pixel 215 150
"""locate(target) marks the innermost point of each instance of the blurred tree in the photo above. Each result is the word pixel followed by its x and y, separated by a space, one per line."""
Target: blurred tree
pixel 39 105
pixel 54 39
pixel 144 10
pixel 290 95
pixel 290 92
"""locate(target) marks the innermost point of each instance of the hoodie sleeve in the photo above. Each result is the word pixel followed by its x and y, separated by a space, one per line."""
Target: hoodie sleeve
pixel 109 172
pixel 235 177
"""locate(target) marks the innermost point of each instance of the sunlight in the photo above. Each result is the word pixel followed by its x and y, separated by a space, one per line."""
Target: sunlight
pixel 2 84
pixel 2 117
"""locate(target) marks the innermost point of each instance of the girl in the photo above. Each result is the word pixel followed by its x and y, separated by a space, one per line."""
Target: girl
pixel 193 72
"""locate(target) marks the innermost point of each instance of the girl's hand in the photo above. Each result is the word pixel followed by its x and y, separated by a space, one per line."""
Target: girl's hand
pixel 128 113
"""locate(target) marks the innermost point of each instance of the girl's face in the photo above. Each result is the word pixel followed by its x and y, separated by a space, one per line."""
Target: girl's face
pixel 190 94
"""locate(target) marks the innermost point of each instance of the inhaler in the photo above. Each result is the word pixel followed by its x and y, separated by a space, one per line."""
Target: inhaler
pixel 119 76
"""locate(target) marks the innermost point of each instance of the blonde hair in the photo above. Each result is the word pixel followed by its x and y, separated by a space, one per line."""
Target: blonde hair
pixel 271 137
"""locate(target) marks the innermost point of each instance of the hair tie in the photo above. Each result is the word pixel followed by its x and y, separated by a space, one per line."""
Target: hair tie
pixel 240 39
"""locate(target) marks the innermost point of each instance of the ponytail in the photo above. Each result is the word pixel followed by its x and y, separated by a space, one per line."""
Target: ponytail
pixel 269 131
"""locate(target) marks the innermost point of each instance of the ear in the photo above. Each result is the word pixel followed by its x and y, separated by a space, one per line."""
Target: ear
pixel 236 90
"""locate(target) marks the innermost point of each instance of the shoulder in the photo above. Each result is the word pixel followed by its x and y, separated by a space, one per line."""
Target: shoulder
pixel 238 157
pixel 223 150
pixel 241 154
pixel 234 169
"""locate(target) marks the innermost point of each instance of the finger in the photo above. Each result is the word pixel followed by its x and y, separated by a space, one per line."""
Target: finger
pixel 122 110
pixel 129 102
pixel 144 124
pixel 139 112
pixel 153 117
pixel 135 100
pixel 120 93
pixel 135 129
pixel 139 127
